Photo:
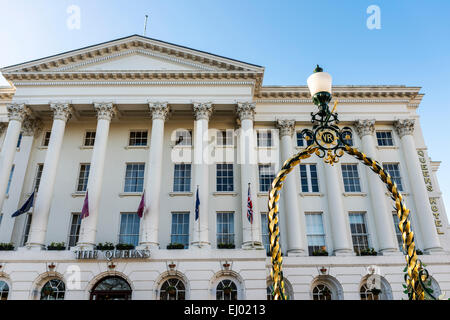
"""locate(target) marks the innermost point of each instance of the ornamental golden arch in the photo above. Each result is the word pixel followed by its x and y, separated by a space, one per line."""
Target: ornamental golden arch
pixel 329 142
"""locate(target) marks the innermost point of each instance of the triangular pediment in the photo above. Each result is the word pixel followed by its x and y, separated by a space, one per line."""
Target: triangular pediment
pixel 133 53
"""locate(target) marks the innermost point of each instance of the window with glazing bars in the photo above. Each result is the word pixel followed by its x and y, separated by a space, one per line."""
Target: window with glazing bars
pixel 351 178
pixel 183 137
pixel 129 228
pixel 384 138
pixel 182 177
pixel 83 177
pixel 302 142
pixel 46 139
pixel 266 176
pixel 264 138
pixel 26 231
pixel 398 233
pixel 225 227
pixel 394 171
pixel 134 177
pixel 265 232
pixel 89 139
pixel 358 228
pixel 37 178
pixel 224 137
pixel 74 232
pixel 308 178
pixel 315 232
pixel 138 138
pixel 224 177
pixel 180 228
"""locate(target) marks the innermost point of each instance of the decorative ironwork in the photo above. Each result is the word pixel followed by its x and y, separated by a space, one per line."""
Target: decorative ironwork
pixel 329 143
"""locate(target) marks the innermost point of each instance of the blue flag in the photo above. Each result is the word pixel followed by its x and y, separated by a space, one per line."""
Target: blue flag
pixel 197 206
pixel 26 206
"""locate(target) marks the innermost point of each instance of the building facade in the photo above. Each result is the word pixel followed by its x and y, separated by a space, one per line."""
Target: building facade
pixel 193 136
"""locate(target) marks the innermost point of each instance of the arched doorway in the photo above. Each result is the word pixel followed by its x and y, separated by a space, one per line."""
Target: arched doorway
pixel 111 288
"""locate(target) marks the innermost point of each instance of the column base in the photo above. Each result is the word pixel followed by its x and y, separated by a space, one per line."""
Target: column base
pixel 148 246
pixel 343 252
pixel 390 252
pixel 252 245
pixel 433 251
pixel 297 253
pixel 199 245
pixel 35 246
pixel 85 246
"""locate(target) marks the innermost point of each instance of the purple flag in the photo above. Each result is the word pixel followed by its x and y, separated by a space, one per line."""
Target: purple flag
pixel 85 210
pixel 140 210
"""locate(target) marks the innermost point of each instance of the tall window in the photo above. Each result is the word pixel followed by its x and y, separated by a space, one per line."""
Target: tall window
pixel 26 231
pixel 83 177
pixel 37 178
pixel 4 290
pixel 265 232
pixel 302 142
pixel 394 171
pixel 182 177
pixel 74 229
pixel 226 290
pixel 398 233
pixel 129 228
pixel 10 179
pixel 134 177
pixel 315 232
pixel 308 178
pixel 53 290
pixel 224 137
pixel 360 234
pixel 138 138
pixel 183 137
pixel 89 139
pixel 384 138
pixel 224 177
pixel 180 228
pixel 348 139
pixel 173 289
pixel 351 178
pixel 266 176
pixel 225 227
pixel 46 139
pixel 19 141
pixel 264 138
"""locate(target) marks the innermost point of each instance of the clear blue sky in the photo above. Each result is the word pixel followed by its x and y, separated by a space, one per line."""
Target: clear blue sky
pixel 287 37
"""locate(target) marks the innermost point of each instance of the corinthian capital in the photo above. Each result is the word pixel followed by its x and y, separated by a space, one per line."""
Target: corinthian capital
pixel 105 110
pixel 246 110
pixel 365 127
pixel 404 127
pixel 31 127
pixel 159 110
pixel 202 110
pixel 18 112
pixel 61 111
pixel 286 127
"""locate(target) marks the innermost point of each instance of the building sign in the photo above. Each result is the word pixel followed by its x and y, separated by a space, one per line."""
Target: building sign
pixel 112 254
pixel 429 185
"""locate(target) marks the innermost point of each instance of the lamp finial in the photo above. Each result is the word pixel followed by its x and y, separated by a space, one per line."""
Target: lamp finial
pixel 318 69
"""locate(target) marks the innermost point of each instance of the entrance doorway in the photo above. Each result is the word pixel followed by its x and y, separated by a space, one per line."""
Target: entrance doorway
pixel 111 288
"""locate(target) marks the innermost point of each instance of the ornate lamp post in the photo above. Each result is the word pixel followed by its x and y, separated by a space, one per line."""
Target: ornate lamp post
pixel 329 143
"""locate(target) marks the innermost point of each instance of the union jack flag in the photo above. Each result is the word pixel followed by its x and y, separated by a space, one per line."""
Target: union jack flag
pixel 249 207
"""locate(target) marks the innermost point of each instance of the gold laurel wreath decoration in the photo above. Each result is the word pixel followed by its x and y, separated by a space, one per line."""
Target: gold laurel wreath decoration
pixel 414 266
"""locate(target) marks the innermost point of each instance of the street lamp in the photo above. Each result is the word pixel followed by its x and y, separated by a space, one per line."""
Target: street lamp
pixel 330 143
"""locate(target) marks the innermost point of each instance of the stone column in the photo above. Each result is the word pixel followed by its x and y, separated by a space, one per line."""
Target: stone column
pixel 296 224
pixel 382 214
pixel 16 114
pixel 150 220
pixel 61 114
pixel 202 113
pixel 88 231
pixel 339 221
pixel 30 128
pixel 251 233
pixel 405 129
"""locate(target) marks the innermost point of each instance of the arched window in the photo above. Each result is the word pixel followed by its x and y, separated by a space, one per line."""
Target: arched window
pixel 173 289
pixel 4 290
pixel 287 289
pixel 321 292
pixel 226 290
pixel 375 287
pixel 111 288
pixel 369 294
pixel 53 290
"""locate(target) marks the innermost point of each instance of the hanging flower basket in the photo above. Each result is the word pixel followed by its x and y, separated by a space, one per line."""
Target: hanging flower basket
pixel 227 290
pixel 172 290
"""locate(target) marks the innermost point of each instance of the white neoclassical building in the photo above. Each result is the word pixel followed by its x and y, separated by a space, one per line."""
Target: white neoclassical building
pixel 138 116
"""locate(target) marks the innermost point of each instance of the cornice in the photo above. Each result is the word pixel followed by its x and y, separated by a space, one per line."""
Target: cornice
pixel 102 83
